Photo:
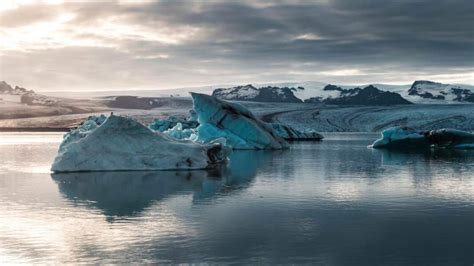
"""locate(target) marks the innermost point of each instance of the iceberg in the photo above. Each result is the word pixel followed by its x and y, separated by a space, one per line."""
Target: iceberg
pixel 403 137
pixel 118 143
pixel 289 133
pixel 400 137
pixel 233 122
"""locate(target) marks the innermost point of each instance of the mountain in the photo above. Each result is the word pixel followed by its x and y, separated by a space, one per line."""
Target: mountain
pixel 5 88
pixel 251 93
pixel 369 95
pixel 330 94
pixel 22 95
pixel 429 91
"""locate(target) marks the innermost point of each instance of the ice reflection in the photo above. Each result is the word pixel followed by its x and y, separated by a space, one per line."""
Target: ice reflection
pixel 129 193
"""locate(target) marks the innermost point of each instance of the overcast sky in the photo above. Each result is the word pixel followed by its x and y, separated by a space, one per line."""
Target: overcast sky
pixel 92 45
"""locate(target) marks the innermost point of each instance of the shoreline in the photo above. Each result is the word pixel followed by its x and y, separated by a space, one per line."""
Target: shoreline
pixel 34 129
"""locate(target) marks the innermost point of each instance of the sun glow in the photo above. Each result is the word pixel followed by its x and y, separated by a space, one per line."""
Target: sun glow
pixel 61 31
pixel 38 35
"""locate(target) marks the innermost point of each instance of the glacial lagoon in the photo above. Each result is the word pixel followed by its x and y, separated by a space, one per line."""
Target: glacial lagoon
pixel 333 202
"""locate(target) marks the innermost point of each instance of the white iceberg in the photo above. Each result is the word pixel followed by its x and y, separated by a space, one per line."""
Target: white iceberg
pixel 233 122
pixel 120 143
pixel 403 137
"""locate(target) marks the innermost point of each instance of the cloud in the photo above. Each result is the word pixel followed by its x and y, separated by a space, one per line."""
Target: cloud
pixel 158 44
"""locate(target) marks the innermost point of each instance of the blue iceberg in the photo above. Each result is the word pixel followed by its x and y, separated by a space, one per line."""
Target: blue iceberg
pixel 403 138
pixel 234 123
pixel 241 129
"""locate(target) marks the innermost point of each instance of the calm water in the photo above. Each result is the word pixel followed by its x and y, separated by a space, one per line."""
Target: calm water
pixel 334 202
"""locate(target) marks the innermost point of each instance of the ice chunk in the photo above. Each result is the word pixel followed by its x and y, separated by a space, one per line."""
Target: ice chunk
pixel 235 123
pixel 162 125
pixel 175 127
pixel 402 137
pixel 289 133
pixel 178 132
pixel 121 143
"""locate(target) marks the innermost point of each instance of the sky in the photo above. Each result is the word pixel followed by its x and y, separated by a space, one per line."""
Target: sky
pixel 59 45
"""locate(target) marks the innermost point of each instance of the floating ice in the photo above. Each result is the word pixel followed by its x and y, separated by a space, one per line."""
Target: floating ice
pixel 120 143
pixel 235 123
pixel 187 128
pixel 402 137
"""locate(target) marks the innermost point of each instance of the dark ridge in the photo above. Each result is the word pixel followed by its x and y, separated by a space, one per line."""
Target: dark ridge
pixel 369 95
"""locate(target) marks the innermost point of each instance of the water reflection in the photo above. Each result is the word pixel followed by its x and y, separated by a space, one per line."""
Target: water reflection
pixel 425 156
pixel 119 194
pixel 332 203
pixel 428 162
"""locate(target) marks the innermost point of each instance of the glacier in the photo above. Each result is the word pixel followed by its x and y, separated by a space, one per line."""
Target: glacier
pixel 233 122
pixel 403 137
pixel 290 133
pixel 117 143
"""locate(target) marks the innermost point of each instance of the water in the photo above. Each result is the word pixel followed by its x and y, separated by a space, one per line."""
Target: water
pixel 333 202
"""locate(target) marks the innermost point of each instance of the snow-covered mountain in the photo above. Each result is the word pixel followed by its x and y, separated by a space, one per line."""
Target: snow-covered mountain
pixel 251 93
pixel 369 95
pixel 425 91
pixel 330 94
pixel 373 94
pixel 418 92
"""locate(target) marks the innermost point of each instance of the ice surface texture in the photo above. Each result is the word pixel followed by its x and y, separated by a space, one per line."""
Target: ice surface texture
pixel 162 125
pixel 290 133
pixel 402 137
pixel 233 122
pixel 120 143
